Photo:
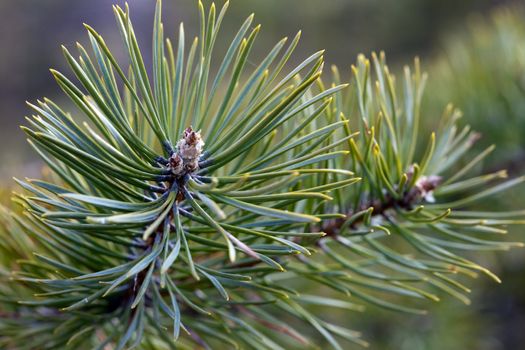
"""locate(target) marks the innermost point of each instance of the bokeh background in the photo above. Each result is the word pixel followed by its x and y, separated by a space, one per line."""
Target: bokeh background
pixel 474 51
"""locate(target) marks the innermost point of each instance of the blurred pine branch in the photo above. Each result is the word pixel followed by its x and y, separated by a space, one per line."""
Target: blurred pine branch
pixel 483 71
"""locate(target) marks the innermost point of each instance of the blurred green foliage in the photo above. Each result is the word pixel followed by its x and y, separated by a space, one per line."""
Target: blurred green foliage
pixel 482 71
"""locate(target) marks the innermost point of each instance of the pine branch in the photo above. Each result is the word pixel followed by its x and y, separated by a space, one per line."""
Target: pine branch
pixel 411 219
pixel 183 206
pixel 174 201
